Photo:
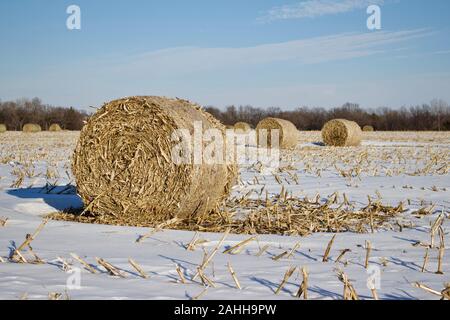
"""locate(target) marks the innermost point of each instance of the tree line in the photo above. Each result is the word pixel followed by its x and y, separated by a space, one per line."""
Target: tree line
pixel 434 116
pixel 15 114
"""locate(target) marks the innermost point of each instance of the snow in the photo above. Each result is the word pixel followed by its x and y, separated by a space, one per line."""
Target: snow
pixel 159 254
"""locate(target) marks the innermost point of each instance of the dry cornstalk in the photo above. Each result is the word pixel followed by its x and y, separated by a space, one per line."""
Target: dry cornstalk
pixel 425 260
pixel 3 222
pixel 205 280
pixel 233 274
pixel 180 274
pixel 37 260
pixel 303 290
pixel 201 294
pixel 372 227
pixel 343 252
pixel 368 250
pixel 286 277
pixel 268 218
pixel 28 240
pixel 237 248
pixel 428 289
pixel 345 201
pixel 65 265
pixel 54 296
pixel 281 255
pixel 112 270
pixel 191 245
pixel 157 229
pixel 441 251
pixel 349 290
pixel 297 245
pixel 446 292
pixel 374 293
pixel 205 256
pixel 262 250
pixel 435 227
pixel 138 268
pixel 327 251
pixel 84 263
pixel 206 260
pixel 19 258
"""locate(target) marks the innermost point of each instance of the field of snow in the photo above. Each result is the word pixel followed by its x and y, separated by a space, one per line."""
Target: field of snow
pixel 413 168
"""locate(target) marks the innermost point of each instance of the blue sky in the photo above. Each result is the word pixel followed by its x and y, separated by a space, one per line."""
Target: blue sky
pixel 285 53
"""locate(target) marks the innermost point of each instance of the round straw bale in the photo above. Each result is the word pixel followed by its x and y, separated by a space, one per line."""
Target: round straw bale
pixel 31 128
pixel 54 127
pixel 368 129
pixel 123 162
pixel 288 133
pixel 341 133
pixel 3 128
pixel 242 127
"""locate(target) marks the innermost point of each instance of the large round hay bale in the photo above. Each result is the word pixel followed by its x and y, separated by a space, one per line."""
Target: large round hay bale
pixel 242 127
pixel 341 133
pixel 368 129
pixel 54 127
pixel 123 162
pixel 288 133
pixel 3 128
pixel 31 128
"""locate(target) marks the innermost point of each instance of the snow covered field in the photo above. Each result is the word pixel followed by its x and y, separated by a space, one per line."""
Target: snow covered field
pixel 412 168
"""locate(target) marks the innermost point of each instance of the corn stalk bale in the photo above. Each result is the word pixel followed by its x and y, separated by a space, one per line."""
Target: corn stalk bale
pixel 288 133
pixel 242 127
pixel 54 127
pixel 368 129
pixel 31 128
pixel 3 128
pixel 342 133
pixel 124 168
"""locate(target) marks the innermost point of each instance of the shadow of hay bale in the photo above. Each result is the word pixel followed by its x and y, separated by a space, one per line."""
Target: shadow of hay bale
pixel 60 202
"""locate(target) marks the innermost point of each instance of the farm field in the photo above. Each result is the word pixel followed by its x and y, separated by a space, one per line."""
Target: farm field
pixel 397 183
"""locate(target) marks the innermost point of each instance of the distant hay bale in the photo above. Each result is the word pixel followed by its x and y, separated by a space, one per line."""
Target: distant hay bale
pixel 288 133
pixel 242 127
pixel 31 128
pixel 368 129
pixel 3 128
pixel 54 127
pixel 124 168
pixel 341 133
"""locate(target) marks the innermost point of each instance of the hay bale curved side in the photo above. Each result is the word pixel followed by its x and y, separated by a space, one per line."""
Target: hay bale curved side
pixel 289 134
pixel 342 133
pixel 242 127
pixel 3 128
pixel 123 162
pixel 54 127
pixel 31 128
pixel 368 129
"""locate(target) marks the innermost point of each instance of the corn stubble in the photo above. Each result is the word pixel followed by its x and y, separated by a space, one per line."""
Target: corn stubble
pixel 295 217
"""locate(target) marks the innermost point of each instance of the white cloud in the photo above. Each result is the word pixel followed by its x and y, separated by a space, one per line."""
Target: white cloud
pixel 185 60
pixel 211 75
pixel 443 52
pixel 316 8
